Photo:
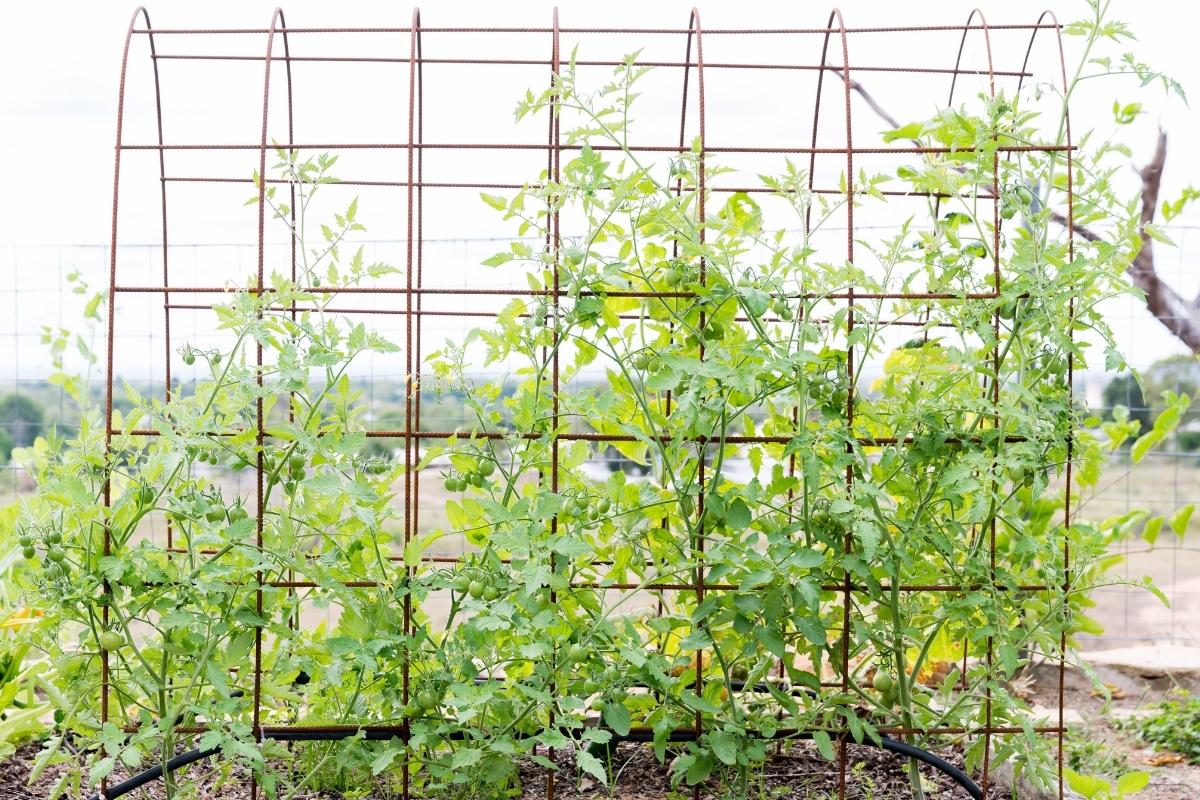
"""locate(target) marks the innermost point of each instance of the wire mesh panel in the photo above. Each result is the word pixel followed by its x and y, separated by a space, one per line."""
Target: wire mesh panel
pixel 802 114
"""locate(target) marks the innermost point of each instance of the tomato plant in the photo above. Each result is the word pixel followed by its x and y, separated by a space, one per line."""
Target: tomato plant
pixel 679 327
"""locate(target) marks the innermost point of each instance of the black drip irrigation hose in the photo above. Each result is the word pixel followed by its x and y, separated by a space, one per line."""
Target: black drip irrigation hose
pixel 182 760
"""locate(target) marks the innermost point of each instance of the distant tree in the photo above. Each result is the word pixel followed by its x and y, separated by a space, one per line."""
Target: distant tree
pixel 1123 390
pixel 21 419
pixel 1179 373
pixel 6 445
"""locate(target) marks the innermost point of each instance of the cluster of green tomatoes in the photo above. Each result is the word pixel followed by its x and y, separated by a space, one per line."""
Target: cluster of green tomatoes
pixel 476 477
pixel 583 508
pixel 189 356
pixel 56 557
pixel 476 584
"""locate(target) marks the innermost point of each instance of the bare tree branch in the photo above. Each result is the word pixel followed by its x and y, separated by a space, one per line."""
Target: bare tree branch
pixel 1180 317
pixel 1176 314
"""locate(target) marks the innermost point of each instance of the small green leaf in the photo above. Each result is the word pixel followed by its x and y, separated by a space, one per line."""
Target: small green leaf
pixel 1132 782
pixel 738 515
pixel 824 744
pixel 1150 532
pixel 910 131
pixel 771 639
pixel 592 766
pixel 617 717
pixel 1157 234
pixel 699 770
pixel 724 746
pixel 495 201
pixel 1180 519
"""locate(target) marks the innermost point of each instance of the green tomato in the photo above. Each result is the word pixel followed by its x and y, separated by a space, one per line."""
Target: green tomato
pixel 427 699
pixel 216 359
pixel 671 277
pixel 25 540
pixel 289 487
pixel 189 358
pixel 640 362
pixel 451 484
pixel 461 582
pixel 237 513
pixel 577 653
pixel 111 640
pixel 28 553
pixel 883 682
pixel 475 589
pixel 486 468
pixel 146 494
pixel 215 514
pixel 297 461
pixel 476 479
pixel 603 505
pixel 490 593
pixel 686 507
pixel 56 554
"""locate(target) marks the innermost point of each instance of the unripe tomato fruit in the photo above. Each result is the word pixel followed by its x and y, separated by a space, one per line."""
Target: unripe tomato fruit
pixel 111 640
pixel 883 682
pixel 475 589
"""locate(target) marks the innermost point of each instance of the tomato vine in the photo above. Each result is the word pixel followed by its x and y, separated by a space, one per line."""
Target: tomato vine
pixel 797 600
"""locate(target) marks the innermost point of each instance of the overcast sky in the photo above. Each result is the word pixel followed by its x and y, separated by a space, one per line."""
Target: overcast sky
pixel 60 62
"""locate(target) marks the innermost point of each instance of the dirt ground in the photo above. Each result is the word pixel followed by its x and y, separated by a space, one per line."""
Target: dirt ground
pixel 1095 719
pixel 798 773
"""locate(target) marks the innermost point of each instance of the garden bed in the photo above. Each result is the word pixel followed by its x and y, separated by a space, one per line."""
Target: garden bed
pixel 797 772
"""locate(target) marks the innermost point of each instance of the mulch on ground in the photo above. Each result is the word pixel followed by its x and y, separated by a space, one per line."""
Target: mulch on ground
pixel 798 772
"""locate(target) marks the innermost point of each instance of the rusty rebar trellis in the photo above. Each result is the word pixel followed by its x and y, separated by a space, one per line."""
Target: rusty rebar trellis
pixel 414 184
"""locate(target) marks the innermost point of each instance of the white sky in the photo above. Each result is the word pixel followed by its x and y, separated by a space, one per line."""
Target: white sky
pixel 60 62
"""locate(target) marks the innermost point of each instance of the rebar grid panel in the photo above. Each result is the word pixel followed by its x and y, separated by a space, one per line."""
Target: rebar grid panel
pixel 408 300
